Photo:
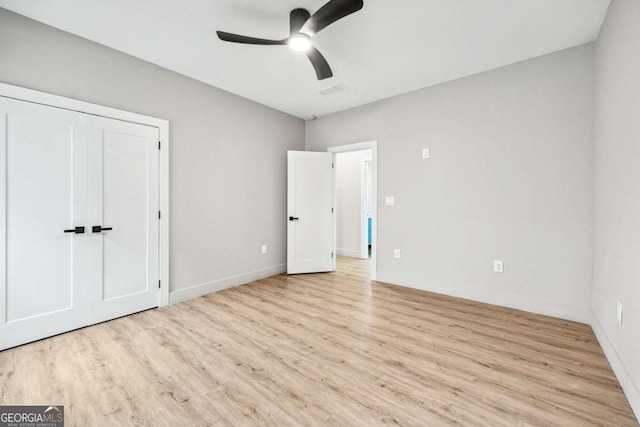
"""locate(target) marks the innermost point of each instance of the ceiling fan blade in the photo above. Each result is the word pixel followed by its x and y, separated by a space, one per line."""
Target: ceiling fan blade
pixel 323 71
pixel 330 13
pixel 297 18
pixel 236 38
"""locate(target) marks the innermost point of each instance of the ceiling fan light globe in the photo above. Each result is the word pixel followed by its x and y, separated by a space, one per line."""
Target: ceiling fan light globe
pixel 300 42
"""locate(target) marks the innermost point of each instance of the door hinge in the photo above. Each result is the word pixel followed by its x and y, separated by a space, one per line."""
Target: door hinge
pixel 331 165
pixel 159 215
pixel 331 210
pixel 331 254
pixel 159 145
pixel 158 284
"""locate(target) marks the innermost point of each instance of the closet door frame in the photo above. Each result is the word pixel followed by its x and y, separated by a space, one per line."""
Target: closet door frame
pixel 29 95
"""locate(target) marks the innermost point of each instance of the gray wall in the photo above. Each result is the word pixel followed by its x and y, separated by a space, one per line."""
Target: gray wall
pixel 228 154
pixel 617 192
pixel 510 178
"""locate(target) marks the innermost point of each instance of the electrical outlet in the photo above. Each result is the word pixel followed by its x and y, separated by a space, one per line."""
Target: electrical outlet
pixel 425 153
pixel 498 266
pixel 264 249
pixel 619 313
pixel 389 201
pixel 396 253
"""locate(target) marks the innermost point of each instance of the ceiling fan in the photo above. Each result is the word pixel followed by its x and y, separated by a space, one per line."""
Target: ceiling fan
pixel 302 27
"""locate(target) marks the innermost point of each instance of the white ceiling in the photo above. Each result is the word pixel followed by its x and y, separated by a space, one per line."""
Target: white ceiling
pixel 387 48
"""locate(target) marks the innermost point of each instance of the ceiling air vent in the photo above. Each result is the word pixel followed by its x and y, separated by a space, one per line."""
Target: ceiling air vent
pixel 332 90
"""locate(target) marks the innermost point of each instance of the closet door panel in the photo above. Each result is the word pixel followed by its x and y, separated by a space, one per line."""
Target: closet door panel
pixel 125 207
pixel 123 197
pixel 43 188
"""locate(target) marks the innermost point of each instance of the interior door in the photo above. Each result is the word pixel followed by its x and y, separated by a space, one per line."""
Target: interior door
pixel 43 197
pixel 310 200
pixel 123 216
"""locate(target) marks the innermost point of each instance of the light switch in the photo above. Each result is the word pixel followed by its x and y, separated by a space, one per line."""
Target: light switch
pixel 389 201
pixel 425 153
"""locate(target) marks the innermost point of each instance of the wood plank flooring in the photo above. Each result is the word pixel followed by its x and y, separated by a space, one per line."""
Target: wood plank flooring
pixel 322 349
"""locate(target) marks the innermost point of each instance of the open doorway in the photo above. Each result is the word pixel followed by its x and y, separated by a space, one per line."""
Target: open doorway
pixel 355 201
pixel 354 208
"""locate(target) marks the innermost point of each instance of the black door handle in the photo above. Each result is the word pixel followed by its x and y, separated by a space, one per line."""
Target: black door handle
pixel 77 230
pixel 99 228
pixel 293 218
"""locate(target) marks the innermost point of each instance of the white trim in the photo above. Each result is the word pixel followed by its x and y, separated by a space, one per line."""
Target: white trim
pixel 334 225
pixel 362 217
pixel 373 146
pixel 3 222
pixel 348 253
pixel 24 94
pixel 165 214
pixel 631 390
pixel 226 283
pixel 33 96
pixel 503 299
pixel 364 245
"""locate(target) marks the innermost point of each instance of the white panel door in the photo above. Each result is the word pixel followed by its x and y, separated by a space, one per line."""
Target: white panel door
pixel 123 199
pixel 43 191
pixel 310 198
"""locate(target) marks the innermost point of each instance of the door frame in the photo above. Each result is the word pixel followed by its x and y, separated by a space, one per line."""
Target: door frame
pixel 373 146
pixel 364 229
pixel 43 98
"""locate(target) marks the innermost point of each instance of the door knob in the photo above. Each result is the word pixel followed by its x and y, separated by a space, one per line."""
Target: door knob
pixel 293 218
pixel 77 230
pixel 99 228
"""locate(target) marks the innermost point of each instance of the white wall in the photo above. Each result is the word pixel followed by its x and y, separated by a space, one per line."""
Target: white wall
pixel 228 154
pixel 510 177
pixel 617 193
pixel 349 196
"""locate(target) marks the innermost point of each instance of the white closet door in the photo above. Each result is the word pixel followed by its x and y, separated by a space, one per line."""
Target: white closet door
pixel 123 196
pixel 43 191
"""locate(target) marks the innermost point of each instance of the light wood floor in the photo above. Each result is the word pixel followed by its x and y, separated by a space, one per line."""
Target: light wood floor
pixel 322 349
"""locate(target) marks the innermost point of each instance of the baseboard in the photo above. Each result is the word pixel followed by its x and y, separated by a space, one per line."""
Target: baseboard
pixel 518 302
pixel 226 283
pixel 348 253
pixel 631 390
